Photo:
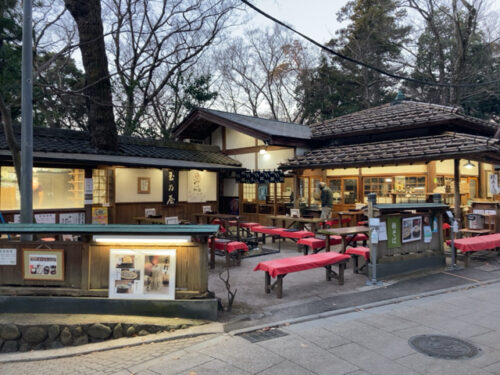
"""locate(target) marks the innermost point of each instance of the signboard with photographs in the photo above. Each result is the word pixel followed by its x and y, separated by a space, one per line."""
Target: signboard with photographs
pixel 412 229
pixel 43 264
pixel 142 274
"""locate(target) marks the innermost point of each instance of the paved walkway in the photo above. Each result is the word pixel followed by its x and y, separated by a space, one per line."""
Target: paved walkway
pixel 371 341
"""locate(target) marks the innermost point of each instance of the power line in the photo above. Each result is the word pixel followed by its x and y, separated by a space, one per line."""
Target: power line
pixel 357 62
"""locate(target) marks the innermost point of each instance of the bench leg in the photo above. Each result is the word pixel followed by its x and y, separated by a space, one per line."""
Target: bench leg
pixel 466 258
pixel 228 258
pixel 329 273
pixel 268 283
pixel 279 286
pixel 341 273
pixel 355 260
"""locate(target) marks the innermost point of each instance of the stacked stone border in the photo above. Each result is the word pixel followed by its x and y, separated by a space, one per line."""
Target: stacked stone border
pixel 23 338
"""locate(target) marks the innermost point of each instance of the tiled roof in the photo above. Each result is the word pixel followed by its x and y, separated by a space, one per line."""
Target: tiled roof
pixel 418 149
pixel 404 115
pixel 201 122
pixel 64 141
pixel 271 127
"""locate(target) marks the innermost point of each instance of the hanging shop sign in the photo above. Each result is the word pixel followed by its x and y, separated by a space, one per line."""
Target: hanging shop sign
pixel 142 274
pixel 170 187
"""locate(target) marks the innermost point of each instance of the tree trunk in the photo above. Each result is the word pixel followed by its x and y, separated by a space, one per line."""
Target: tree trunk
pixel 101 122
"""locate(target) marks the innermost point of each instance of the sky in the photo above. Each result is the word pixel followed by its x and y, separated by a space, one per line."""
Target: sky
pixel 314 18
pixel 317 18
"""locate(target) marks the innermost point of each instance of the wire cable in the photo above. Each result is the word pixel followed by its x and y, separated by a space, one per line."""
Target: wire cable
pixel 357 62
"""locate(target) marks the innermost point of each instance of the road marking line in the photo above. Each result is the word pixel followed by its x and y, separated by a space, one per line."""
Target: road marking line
pixel 462 277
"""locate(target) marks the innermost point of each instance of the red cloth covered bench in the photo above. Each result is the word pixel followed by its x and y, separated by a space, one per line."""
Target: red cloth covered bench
pixel 317 244
pixel 357 252
pixel 281 267
pixel 358 237
pixel 271 231
pixel 229 247
pixel 478 243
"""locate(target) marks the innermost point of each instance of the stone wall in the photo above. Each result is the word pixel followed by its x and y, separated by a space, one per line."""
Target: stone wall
pixel 16 337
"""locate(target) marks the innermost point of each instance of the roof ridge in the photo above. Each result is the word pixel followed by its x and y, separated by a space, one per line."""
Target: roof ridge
pixel 249 116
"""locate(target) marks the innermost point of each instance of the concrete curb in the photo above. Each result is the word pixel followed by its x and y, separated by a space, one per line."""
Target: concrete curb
pixel 347 310
pixel 39 355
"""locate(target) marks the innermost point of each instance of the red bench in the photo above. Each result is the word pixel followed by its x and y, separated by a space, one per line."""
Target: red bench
pixel 357 252
pixel 229 247
pixel 317 244
pixel 479 243
pixel 281 267
pixel 271 231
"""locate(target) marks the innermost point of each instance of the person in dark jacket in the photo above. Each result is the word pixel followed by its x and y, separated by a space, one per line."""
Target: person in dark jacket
pixel 326 201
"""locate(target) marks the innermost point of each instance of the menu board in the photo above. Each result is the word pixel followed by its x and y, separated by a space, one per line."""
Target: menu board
pixel 142 274
pixel 412 229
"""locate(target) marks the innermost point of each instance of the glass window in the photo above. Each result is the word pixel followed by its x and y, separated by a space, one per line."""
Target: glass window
pixel 336 188
pixel 53 188
pixel 350 190
pixel 100 182
pixel 249 191
pixel 381 186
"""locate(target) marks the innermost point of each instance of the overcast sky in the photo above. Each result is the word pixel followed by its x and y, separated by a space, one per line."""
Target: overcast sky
pixel 318 18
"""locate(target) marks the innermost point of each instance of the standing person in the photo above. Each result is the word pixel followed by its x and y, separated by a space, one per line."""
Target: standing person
pixel 326 201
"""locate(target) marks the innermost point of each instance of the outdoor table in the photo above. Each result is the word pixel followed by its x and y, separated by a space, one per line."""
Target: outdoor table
pixel 353 214
pixel 343 232
pixel 224 218
pixel 302 221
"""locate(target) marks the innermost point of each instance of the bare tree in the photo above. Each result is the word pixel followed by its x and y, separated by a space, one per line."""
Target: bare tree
pixel 259 73
pixel 101 122
pixel 154 46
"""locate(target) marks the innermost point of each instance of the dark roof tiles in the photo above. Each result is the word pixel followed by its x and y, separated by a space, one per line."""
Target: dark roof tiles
pixel 387 117
pixel 77 142
pixel 444 145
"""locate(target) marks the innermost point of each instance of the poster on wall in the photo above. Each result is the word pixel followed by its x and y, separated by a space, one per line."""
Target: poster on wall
pixel 43 264
pixel 195 191
pixel 393 232
pixel 72 218
pixel 170 187
pixel 8 257
pixel 142 274
pixel 99 215
pixel 412 229
pixel 493 184
pixel 45 218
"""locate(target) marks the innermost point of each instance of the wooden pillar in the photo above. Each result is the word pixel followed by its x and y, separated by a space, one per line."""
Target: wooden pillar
pixel 275 205
pixel 88 196
pixel 431 176
pixel 296 184
pixel 482 181
pixel 456 175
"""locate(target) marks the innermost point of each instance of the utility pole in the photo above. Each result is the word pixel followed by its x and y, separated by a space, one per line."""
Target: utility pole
pixel 27 118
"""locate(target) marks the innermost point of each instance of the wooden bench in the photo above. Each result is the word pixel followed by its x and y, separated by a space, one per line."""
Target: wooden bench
pixel 357 252
pixel 317 244
pixel 267 230
pixel 279 268
pixel 479 243
pixel 295 235
pixel 230 248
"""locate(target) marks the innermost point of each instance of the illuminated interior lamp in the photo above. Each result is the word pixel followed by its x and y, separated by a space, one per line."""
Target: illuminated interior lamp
pixel 262 151
pixel 469 165
pixel 141 239
pixel 388 179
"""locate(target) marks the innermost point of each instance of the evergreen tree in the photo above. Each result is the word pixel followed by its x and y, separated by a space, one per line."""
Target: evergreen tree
pixel 374 35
